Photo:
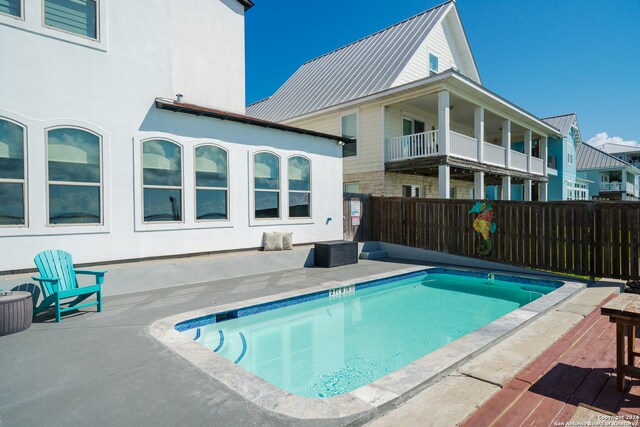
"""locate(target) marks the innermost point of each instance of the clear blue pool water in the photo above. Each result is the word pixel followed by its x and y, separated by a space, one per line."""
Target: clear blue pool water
pixel 332 345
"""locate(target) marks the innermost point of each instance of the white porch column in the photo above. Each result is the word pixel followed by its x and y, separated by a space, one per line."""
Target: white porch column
pixel 506 188
pixel 506 143
pixel 527 190
pixel 444 181
pixel 444 138
pixel 527 149
pixel 478 131
pixel 544 155
pixel 624 185
pixel 478 185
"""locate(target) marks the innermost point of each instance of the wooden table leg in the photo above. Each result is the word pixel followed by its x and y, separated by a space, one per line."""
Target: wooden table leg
pixel 620 355
pixel 631 335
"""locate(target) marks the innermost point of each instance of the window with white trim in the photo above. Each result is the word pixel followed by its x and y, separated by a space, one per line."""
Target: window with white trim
pixel 349 126
pixel 412 126
pixel 12 174
pixel 161 181
pixel 571 153
pixel 11 8
pixel 433 64
pixel 212 183
pixel 410 191
pixel 74 176
pixel 299 170
pixel 72 16
pixel 352 187
pixel 266 185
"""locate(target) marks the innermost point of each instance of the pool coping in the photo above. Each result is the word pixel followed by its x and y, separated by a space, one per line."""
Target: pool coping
pixel 378 396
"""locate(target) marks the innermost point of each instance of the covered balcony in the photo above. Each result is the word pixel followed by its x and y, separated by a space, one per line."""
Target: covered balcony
pixel 425 144
pixel 619 185
pixel 449 136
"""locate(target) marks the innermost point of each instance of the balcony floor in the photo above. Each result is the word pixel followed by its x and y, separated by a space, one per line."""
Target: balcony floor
pixel 461 169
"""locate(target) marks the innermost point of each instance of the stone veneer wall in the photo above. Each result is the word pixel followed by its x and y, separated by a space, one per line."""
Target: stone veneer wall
pixel 378 184
pixel 370 182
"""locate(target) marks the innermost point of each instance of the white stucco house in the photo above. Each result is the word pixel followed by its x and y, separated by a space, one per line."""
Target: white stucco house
pixel 422 124
pixel 99 158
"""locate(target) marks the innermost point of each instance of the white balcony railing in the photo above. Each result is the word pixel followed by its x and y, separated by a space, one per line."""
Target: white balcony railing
pixel 412 146
pixel 518 161
pixel 464 146
pixel 494 154
pixel 611 186
pixel 425 144
pixel 537 166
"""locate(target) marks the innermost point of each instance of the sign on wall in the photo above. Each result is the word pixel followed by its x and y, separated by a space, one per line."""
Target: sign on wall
pixel 356 207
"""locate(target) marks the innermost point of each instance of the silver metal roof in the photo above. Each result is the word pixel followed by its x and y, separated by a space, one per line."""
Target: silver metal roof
pixel 589 157
pixel 612 147
pixel 562 123
pixel 364 67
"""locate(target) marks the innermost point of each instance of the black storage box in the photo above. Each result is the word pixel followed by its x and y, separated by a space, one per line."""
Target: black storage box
pixel 335 253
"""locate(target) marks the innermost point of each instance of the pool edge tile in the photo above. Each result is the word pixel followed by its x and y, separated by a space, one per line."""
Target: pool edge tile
pixel 387 391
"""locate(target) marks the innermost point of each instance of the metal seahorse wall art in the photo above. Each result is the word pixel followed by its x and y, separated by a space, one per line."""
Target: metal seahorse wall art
pixel 485 225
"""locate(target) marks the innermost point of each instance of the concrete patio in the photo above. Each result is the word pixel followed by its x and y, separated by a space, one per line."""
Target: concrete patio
pixel 104 369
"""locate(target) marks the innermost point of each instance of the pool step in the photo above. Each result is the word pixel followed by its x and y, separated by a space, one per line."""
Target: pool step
pixel 371 250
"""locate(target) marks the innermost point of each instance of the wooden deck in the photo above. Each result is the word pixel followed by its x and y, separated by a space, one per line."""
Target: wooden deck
pixel 579 369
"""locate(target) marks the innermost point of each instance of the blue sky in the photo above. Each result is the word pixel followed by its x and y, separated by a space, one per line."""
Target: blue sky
pixel 549 57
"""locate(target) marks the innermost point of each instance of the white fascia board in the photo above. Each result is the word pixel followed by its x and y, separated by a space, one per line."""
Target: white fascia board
pixel 466 88
pixel 467 45
pixel 460 86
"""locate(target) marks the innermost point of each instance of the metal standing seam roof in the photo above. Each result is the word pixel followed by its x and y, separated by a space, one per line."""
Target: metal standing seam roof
pixel 361 68
pixel 589 157
pixel 562 123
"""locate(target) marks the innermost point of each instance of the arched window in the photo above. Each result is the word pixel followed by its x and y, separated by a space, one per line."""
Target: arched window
pixel 74 176
pixel 12 174
pixel 266 173
pixel 162 181
pixel 212 183
pixel 299 187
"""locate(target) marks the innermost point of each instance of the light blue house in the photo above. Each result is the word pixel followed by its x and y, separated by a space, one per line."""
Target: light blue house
pixel 609 177
pixel 565 183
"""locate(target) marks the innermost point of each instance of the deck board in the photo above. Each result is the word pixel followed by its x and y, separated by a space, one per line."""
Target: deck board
pixel 578 369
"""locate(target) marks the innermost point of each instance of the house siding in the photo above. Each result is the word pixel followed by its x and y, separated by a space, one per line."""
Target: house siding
pixel 442 43
pixel 369 157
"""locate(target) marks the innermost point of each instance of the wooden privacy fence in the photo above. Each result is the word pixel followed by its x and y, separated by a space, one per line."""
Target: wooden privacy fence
pixel 597 239
pixel 356 217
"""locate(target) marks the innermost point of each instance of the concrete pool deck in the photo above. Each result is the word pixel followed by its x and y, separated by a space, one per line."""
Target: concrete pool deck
pixel 105 368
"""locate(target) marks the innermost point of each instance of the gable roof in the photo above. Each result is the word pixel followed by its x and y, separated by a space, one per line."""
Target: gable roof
pixel 562 123
pixel 590 157
pixel 361 68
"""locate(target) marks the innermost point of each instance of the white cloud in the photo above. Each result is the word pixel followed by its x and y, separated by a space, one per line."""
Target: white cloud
pixel 604 138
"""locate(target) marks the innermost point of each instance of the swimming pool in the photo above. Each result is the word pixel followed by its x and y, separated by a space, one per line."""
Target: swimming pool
pixel 178 332
pixel 333 342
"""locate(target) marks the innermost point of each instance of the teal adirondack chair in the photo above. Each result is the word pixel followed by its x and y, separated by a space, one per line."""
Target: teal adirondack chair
pixel 58 282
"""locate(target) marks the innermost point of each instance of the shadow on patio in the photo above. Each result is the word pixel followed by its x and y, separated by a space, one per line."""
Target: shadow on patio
pixel 577 371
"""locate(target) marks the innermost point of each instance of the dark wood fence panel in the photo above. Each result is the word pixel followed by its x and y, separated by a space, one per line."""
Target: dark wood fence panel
pixel 583 238
pixel 356 232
